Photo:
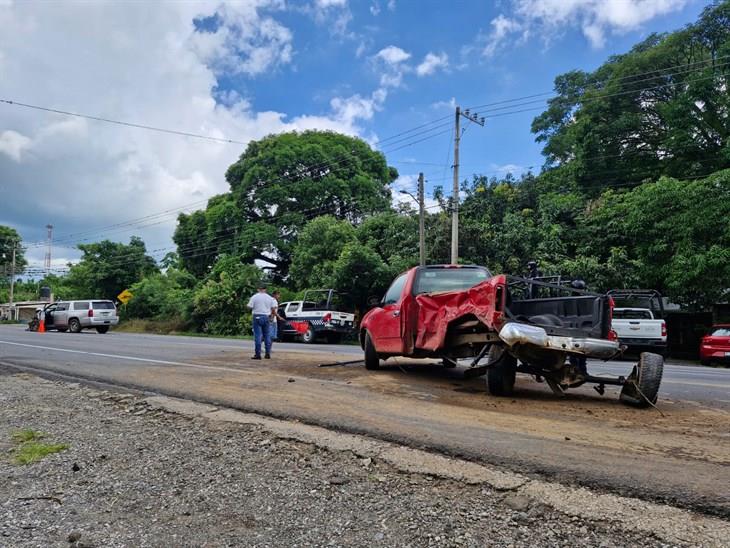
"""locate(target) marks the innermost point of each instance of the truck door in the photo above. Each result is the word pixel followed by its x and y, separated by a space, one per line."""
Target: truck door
pixel 386 328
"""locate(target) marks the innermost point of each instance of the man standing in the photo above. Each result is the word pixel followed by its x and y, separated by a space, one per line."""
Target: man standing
pixel 275 317
pixel 263 306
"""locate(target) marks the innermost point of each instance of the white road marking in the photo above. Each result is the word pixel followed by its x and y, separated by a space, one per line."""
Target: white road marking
pixel 132 358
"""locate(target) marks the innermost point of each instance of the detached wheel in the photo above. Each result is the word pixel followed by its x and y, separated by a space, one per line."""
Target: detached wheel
pixel 501 372
pixel 102 329
pixel 308 336
pixel 372 360
pixel 74 326
pixel 642 386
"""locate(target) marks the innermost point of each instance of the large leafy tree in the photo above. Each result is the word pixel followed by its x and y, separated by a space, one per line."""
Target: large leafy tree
pixel 278 185
pixel 106 268
pixel 673 236
pixel 661 109
pixel 9 239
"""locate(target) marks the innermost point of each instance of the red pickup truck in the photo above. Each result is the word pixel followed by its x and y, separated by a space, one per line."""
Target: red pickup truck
pixel 513 324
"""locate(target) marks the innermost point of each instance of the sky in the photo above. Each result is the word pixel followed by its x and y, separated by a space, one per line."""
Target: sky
pixel 241 71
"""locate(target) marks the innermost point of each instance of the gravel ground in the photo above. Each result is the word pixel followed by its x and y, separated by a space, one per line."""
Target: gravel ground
pixel 135 476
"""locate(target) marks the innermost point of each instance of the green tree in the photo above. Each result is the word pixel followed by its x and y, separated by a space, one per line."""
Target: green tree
pixel 220 302
pixel 317 249
pixel 107 267
pixel 163 296
pixel 277 185
pixel 660 109
pixel 9 239
pixel 674 235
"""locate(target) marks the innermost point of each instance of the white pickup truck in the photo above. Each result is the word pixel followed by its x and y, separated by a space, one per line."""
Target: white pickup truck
pixel 639 330
pixel 317 316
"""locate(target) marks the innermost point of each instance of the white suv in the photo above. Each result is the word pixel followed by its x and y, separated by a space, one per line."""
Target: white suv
pixel 77 315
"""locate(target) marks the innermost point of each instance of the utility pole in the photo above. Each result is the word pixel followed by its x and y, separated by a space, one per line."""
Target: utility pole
pixel 421 222
pixel 12 283
pixel 472 117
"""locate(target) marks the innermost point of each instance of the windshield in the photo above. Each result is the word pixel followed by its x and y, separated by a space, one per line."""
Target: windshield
pixel 721 332
pixel 438 280
pixel 628 314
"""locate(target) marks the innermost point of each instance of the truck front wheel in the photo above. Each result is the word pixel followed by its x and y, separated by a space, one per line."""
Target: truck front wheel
pixel 372 360
pixel 501 372
pixel 642 386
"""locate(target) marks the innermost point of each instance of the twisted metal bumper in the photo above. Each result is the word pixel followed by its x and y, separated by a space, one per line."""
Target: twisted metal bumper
pixel 519 333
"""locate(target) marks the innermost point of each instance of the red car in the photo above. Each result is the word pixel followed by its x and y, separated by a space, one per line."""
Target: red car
pixel 715 346
pixel 512 325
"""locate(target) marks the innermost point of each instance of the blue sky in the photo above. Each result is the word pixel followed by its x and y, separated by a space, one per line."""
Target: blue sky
pixel 244 70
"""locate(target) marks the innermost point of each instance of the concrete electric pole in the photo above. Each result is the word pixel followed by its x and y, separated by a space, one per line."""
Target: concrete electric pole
pixel 472 117
pixel 421 219
pixel 421 222
pixel 12 283
pixel 47 262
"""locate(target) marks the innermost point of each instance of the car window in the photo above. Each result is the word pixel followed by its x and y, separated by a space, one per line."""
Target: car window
pixel 102 305
pixel 396 289
pixel 309 305
pixel 438 280
pixel 81 305
pixel 62 306
pixel 628 314
pixel 293 307
pixel 721 332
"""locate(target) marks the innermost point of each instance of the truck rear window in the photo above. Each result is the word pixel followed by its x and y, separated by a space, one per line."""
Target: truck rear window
pixel 631 314
pixel 440 280
pixel 102 305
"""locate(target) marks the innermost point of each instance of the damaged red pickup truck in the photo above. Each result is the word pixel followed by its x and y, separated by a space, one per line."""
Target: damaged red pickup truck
pixel 515 325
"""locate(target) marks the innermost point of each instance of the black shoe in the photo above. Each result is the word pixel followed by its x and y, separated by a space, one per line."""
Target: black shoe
pixel 255 357
pixel 267 356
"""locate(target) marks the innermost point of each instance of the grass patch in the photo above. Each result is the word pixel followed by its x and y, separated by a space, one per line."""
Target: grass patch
pixel 24 436
pixel 34 451
pixel 171 327
pixel 30 447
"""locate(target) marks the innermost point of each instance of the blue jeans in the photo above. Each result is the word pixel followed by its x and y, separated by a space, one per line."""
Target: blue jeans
pixel 273 329
pixel 261 329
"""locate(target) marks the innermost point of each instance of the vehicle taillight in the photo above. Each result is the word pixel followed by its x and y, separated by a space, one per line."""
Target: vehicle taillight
pixel 612 335
pixel 664 329
pixel 91 312
pixel 611 304
pixel 327 317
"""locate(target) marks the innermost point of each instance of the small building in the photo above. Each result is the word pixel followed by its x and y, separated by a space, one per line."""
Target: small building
pixel 22 311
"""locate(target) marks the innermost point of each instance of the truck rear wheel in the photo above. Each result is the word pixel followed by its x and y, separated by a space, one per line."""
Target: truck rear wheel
pixel 642 386
pixel 308 336
pixel 501 371
pixel 372 360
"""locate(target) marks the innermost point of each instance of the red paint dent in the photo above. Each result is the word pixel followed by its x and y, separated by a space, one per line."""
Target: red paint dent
pixel 437 311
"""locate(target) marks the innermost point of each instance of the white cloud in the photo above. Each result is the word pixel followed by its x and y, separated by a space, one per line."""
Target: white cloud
pixel 391 5
pixel 375 9
pixel 14 144
pixel 442 105
pixel 334 14
pixel 244 42
pixel 409 183
pixel 431 63
pixel 595 18
pixel 393 55
pixel 142 63
pixel 502 27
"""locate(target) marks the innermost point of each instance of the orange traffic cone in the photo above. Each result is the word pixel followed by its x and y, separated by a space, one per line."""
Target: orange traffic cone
pixel 42 326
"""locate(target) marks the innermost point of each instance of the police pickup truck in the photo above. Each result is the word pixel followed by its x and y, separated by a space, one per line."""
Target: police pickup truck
pixel 317 316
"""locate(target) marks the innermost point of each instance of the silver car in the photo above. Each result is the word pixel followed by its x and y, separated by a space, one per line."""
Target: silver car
pixel 74 316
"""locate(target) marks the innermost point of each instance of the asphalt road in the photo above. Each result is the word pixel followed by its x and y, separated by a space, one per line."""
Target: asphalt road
pixel 681 455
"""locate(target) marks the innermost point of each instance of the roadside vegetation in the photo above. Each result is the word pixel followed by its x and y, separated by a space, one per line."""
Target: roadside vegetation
pixel 30 449
pixel 635 192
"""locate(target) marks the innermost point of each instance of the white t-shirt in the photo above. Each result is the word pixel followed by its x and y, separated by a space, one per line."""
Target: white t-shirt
pixel 262 303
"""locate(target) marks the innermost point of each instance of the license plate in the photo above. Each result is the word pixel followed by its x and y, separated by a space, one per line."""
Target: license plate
pixel 727 354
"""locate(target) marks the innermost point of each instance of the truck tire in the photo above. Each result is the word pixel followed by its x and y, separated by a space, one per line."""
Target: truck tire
pixel 308 336
pixel 372 360
pixel 74 325
pixel 501 372
pixel 102 329
pixel 642 386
